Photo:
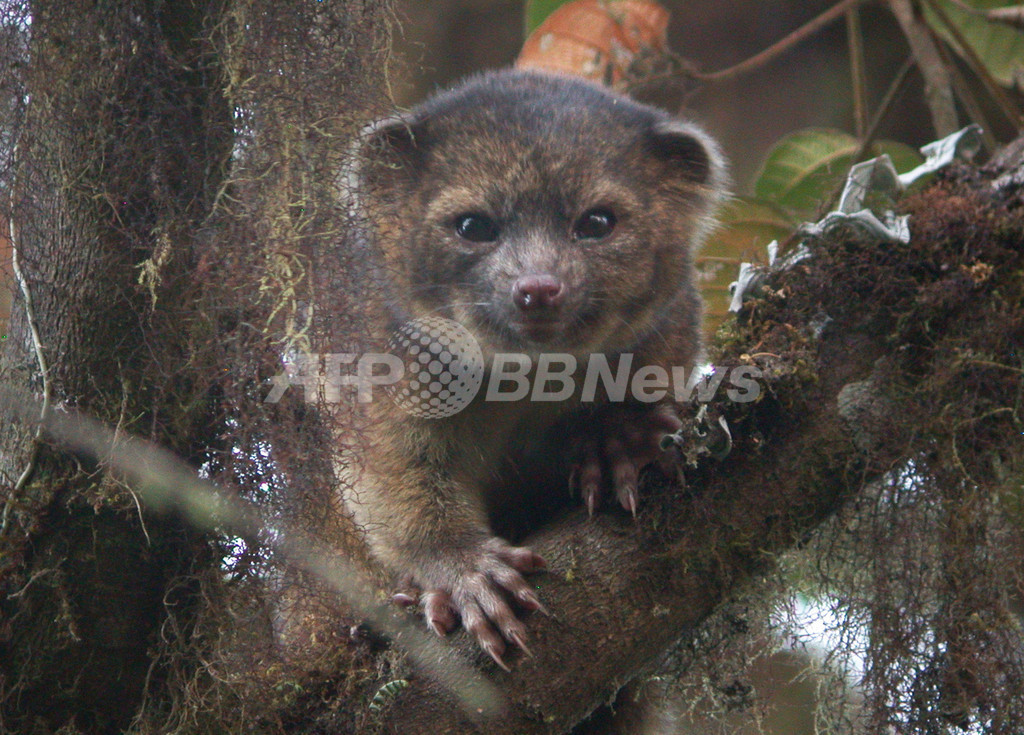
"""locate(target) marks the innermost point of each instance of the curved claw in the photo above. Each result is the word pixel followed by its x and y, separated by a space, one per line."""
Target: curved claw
pixel 485 591
pixel 403 599
pixel 520 641
pixel 624 442
pixel 437 608
pixel 497 657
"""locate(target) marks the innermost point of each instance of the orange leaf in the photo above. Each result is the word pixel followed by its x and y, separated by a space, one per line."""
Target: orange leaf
pixel 596 39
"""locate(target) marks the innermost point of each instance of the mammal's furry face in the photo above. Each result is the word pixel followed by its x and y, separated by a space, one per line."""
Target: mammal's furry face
pixel 539 212
pixel 539 248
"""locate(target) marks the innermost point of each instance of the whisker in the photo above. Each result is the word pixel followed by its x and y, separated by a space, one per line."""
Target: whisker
pixel 629 326
pixel 463 303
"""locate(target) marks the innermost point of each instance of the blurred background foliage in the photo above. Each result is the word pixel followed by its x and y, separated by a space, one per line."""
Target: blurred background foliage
pixel 441 41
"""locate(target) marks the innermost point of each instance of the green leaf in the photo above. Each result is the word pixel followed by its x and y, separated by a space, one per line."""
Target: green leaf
pixel 804 169
pixel 746 226
pixel 999 46
pixel 537 12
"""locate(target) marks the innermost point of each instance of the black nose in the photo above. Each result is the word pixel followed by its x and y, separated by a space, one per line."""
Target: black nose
pixel 536 293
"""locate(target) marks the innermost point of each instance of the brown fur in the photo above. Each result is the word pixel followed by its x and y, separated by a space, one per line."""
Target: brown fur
pixel 533 152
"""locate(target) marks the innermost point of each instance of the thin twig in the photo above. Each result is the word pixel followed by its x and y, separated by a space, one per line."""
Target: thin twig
pixel 31 580
pixel 869 137
pixel 758 60
pixel 855 42
pixel 166 483
pixel 1001 99
pixel 37 345
pixel 970 422
pixel 888 99
pixel 938 88
pixel 969 101
pixel 968 9
pixel 992 364
pixel 118 428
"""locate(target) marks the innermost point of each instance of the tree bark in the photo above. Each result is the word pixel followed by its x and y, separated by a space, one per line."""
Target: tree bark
pixel 164 149
pixel 114 167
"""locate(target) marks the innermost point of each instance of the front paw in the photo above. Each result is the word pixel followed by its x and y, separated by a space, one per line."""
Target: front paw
pixel 613 449
pixel 480 587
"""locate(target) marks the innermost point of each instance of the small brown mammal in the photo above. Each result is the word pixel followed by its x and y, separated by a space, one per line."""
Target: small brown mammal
pixel 545 215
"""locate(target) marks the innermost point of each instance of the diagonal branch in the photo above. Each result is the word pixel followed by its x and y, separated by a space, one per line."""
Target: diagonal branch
pixel 621 594
pixel 938 86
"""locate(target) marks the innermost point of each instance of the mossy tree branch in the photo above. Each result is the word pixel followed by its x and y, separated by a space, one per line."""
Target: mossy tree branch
pixel 838 410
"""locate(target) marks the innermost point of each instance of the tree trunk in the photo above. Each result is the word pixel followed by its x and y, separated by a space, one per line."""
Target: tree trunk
pixel 116 164
pixel 152 163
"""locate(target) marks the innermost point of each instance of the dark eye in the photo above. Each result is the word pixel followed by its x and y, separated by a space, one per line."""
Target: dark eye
pixel 476 228
pixel 593 225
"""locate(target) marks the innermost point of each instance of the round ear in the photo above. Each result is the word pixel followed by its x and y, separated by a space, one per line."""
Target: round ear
pixel 687 152
pixel 389 151
pixel 395 134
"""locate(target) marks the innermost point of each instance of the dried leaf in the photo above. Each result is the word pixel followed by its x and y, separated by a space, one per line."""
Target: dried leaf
pixel 746 225
pixel 805 166
pixel 594 39
pixel 1012 16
